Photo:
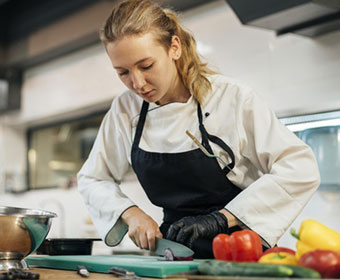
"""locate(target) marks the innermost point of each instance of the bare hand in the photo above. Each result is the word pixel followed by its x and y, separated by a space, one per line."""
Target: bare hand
pixel 143 230
pixel 232 221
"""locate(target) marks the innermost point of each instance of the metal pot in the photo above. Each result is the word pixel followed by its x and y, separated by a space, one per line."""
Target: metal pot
pixel 22 231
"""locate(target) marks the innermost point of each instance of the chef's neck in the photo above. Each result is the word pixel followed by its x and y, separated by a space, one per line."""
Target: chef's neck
pixel 177 93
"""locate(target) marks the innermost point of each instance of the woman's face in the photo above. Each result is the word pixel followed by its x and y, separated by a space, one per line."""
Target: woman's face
pixel 145 67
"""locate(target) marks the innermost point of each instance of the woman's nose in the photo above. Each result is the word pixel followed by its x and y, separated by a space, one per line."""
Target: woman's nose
pixel 138 80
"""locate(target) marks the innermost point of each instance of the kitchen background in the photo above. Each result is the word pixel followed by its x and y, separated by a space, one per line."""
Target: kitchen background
pixel 44 143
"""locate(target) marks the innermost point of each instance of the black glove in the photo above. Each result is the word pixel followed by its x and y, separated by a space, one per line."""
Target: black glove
pixel 191 228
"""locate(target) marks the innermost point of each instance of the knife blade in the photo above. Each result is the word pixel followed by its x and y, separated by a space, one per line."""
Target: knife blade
pixel 179 250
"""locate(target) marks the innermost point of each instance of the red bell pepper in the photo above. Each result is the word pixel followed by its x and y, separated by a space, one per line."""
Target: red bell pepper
pixel 221 247
pixel 241 246
pixel 326 262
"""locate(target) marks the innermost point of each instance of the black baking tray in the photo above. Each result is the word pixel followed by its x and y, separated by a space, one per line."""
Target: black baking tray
pixel 66 246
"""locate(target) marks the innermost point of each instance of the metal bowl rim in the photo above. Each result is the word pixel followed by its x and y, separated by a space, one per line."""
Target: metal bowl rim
pixel 19 212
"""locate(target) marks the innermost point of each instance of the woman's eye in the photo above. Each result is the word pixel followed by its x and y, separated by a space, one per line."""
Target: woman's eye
pixel 122 73
pixel 147 67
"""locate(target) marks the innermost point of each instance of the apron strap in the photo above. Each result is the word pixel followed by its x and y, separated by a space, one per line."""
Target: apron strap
pixel 205 141
pixel 140 124
pixel 205 135
pixel 225 147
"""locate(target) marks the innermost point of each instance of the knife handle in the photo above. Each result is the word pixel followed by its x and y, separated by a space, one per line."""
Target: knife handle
pixel 118 271
pixel 82 271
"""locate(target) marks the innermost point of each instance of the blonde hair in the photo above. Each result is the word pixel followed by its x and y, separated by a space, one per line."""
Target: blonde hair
pixel 133 17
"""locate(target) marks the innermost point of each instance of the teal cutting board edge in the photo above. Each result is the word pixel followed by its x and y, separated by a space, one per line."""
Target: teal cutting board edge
pixel 148 266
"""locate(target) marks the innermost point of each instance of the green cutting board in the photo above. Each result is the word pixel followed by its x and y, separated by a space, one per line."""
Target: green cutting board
pixel 149 266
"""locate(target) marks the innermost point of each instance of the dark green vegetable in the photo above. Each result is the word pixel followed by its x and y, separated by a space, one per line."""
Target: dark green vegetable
pixel 224 268
pixel 304 272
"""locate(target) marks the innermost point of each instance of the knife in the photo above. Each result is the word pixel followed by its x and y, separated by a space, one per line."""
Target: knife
pixel 123 273
pixel 179 250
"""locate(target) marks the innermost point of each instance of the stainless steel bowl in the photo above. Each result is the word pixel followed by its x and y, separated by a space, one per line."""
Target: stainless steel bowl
pixel 22 231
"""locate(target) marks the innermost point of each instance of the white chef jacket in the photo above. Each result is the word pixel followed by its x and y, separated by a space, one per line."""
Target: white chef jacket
pixel 275 169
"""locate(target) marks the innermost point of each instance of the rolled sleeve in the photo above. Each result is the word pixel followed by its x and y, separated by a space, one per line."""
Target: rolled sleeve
pixel 288 173
pixel 105 203
pixel 99 178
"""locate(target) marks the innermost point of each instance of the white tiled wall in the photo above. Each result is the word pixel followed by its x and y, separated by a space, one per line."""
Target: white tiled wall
pixel 295 74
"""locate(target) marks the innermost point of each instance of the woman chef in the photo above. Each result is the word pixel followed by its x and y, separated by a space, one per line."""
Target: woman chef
pixel 268 175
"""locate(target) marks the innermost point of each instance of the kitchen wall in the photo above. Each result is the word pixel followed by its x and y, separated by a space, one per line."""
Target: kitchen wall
pixel 296 75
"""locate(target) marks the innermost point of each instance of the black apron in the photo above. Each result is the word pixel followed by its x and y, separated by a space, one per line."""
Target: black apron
pixel 184 184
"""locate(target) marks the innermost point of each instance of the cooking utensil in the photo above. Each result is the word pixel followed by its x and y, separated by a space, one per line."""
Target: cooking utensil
pixel 67 246
pixel 179 250
pixel 14 273
pixel 123 273
pixel 82 271
pixel 206 152
pixel 22 231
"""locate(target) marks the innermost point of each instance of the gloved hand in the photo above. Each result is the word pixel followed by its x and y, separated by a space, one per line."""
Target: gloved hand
pixel 191 228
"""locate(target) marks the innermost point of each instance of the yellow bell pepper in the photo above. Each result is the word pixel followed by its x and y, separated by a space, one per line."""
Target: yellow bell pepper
pixel 279 258
pixel 315 235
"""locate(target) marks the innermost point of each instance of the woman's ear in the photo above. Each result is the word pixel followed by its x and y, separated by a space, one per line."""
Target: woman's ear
pixel 176 47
